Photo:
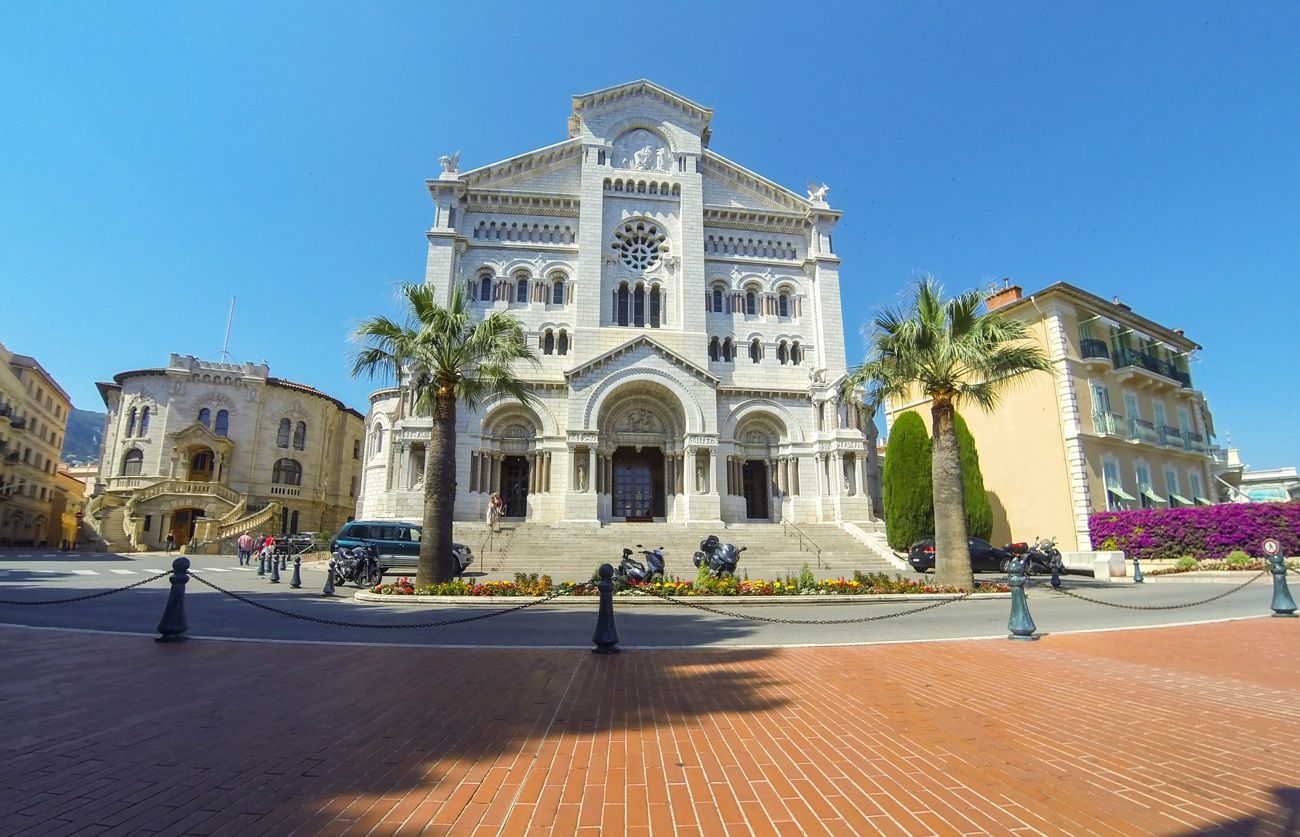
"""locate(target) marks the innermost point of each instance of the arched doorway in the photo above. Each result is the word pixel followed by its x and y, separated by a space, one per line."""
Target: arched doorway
pixel 183 523
pixel 202 465
pixel 754 482
pixel 514 486
pixel 638 490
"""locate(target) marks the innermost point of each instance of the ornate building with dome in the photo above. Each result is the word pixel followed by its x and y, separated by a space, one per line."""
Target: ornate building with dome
pixel 686 312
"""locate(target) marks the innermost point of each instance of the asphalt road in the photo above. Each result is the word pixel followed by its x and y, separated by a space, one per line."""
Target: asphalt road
pixel 37 575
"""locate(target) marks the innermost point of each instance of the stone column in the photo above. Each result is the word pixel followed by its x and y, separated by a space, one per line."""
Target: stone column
pixel 690 471
pixel 712 487
pixel 591 468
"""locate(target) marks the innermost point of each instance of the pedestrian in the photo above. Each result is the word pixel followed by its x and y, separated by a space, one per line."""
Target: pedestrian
pixel 171 543
pixel 245 549
pixel 493 511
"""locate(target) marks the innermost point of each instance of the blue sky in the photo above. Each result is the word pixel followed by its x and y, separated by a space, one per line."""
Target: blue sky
pixel 157 159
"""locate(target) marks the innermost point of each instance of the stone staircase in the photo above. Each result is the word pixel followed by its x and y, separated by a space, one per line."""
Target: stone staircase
pixel 112 531
pixel 573 553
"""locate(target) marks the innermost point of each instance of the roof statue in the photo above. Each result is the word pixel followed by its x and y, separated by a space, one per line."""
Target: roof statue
pixel 816 193
pixel 450 165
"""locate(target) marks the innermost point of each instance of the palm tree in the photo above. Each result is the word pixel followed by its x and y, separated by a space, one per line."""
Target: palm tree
pixel 953 352
pixel 445 357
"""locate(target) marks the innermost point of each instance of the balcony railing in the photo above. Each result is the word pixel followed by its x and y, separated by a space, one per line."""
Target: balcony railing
pixel 1143 431
pixel 1092 348
pixel 1142 360
pixel 1170 437
pixel 1195 441
pixel 1109 424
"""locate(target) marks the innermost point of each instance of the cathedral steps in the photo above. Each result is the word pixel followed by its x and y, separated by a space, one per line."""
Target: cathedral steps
pixel 573 553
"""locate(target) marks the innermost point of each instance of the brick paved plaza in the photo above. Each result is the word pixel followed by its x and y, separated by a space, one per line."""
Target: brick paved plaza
pixel 1188 730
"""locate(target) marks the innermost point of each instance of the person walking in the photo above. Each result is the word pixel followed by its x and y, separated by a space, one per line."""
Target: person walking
pixel 494 511
pixel 245 549
pixel 171 543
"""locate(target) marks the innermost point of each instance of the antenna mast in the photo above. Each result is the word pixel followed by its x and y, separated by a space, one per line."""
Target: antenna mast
pixel 225 355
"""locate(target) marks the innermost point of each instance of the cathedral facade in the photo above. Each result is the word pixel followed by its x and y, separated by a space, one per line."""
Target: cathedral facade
pixel 686 313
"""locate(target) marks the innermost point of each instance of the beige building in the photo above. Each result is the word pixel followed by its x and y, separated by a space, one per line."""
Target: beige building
pixel 204 451
pixel 1118 424
pixel 33 416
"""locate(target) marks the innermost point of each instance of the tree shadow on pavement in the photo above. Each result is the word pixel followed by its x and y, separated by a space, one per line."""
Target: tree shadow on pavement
pixel 1282 821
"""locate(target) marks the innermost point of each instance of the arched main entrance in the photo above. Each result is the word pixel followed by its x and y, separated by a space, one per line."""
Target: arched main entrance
pixel 183 523
pixel 754 482
pixel 638 491
pixel 514 486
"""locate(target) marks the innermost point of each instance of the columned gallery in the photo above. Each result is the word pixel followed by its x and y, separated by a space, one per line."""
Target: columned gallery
pixel 686 313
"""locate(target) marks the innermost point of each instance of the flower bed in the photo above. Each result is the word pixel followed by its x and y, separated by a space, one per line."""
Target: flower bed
pixel 860 585
pixel 1221 566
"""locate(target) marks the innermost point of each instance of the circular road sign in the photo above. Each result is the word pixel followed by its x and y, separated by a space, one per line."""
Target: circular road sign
pixel 1272 547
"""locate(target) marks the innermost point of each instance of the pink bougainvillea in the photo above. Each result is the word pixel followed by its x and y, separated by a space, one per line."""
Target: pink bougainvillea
pixel 1203 532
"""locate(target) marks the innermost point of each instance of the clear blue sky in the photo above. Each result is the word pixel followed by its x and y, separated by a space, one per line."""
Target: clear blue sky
pixel 158 158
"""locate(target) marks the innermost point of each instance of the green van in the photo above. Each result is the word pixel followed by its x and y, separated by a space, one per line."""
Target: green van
pixel 397 543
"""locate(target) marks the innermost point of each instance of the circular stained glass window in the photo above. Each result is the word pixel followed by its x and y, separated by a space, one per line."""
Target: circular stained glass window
pixel 640 244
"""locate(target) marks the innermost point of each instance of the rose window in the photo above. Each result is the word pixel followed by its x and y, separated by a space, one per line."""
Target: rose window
pixel 640 244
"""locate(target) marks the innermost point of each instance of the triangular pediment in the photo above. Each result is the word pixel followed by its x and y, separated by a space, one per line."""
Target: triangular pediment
pixel 199 433
pixel 642 92
pixel 645 347
pixel 515 172
pixel 727 184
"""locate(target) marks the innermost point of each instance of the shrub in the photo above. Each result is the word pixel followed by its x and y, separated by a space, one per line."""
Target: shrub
pixel 979 513
pixel 1203 532
pixel 1238 558
pixel 908 493
pixel 807 580
pixel 1187 562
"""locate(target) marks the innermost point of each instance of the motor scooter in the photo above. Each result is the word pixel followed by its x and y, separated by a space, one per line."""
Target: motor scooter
pixel 633 571
pixel 1042 554
pixel 720 558
pixel 359 565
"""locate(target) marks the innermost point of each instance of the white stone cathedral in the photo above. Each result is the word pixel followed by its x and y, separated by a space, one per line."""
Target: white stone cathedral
pixel 686 312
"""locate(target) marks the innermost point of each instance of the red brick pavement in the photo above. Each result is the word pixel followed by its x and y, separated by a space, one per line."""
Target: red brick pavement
pixel 1174 731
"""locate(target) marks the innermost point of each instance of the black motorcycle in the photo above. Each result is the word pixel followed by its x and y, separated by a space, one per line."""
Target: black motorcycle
pixel 721 558
pixel 1042 556
pixel 359 565
pixel 633 571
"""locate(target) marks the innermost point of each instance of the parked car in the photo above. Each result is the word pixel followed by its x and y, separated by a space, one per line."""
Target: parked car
pixel 302 539
pixel 984 556
pixel 398 544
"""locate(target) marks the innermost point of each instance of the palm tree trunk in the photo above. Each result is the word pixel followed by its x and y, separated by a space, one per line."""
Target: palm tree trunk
pixel 436 560
pixel 951 551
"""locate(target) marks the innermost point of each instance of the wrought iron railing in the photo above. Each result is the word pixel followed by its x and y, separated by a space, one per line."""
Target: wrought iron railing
pixel 1170 436
pixel 1132 357
pixel 1109 424
pixel 1092 348
pixel 1143 431
pixel 805 543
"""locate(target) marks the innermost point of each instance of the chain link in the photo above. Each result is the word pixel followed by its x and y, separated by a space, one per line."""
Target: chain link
pixel 1065 592
pixel 91 595
pixel 341 624
pixel 778 621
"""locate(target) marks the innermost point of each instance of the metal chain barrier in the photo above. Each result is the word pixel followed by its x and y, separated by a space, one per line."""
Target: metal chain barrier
pixel 777 621
pixel 91 595
pixel 1214 598
pixel 341 624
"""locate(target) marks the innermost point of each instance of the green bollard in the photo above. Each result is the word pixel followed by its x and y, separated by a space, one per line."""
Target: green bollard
pixel 1021 624
pixel 606 636
pixel 329 580
pixel 1283 604
pixel 261 563
pixel 173 624
pixel 275 570
pixel 296 581
pixel 1137 572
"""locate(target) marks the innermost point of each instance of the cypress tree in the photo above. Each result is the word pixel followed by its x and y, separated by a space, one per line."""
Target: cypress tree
pixel 979 513
pixel 908 495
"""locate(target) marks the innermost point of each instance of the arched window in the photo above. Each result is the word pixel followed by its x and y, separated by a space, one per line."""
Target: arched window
pixel 782 352
pixel 130 424
pixel 557 292
pixel 751 303
pixel 144 422
pixel 521 290
pixel 485 287
pixel 300 436
pixel 282 436
pixel 638 306
pixel 713 348
pixel 286 472
pixel 717 300
pixel 293 518
pixel 796 353
pixel 654 307
pixel 620 308
pixel 379 438
pixel 132 462
pixel 223 423
pixel 783 305
pixel 728 350
pixel 205 417
pixel 548 343
pixel 564 342
pixel 755 350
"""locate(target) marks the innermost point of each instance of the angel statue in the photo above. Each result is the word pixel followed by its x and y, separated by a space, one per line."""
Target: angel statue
pixel 450 165
pixel 817 193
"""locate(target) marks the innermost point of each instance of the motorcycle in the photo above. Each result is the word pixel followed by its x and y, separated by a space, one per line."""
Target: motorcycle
pixel 720 558
pixel 632 571
pixel 359 565
pixel 1042 556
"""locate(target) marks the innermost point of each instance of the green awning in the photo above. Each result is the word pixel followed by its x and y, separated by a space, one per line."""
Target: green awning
pixel 1152 496
pixel 1120 493
pixel 1203 501
pixel 1182 501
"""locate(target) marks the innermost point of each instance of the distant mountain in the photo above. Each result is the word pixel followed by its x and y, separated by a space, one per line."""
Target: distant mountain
pixel 84 435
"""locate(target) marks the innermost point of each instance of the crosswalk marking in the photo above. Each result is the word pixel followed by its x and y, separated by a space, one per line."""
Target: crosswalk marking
pixel 123 572
pixel 148 570
pixel 245 569
pixel 84 572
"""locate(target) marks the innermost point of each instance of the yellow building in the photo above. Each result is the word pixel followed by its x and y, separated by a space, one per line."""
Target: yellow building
pixel 1117 424
pixel 33 417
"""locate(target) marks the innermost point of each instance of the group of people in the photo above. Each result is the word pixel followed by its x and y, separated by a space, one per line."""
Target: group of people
pixel 247 544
